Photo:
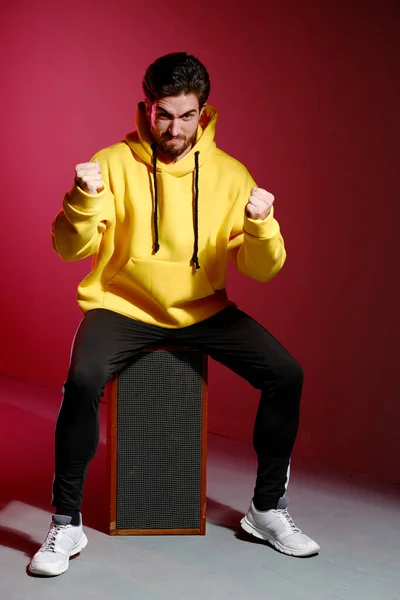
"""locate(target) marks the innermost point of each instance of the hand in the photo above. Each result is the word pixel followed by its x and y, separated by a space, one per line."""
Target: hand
pixel 259 204
pixel 88 177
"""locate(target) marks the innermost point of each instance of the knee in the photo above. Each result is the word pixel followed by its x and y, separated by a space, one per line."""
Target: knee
pixel 288 374
pixel 87 379
pixel 294 374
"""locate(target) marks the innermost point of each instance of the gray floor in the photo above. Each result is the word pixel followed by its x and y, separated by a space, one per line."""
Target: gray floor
pixel 355 520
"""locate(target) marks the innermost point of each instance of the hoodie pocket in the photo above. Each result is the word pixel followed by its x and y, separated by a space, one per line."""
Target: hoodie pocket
pixel 167 284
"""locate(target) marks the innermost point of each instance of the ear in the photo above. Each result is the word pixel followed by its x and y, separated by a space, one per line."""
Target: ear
pixel 147 106
pixel 203 108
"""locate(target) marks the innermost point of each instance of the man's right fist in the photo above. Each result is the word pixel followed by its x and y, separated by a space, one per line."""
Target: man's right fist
pixel 88 177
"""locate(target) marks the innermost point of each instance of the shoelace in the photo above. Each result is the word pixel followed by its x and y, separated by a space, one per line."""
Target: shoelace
pixel 52 538
pixel 287 520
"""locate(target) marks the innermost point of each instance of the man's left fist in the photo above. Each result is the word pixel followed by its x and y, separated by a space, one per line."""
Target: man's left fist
pixel 259 204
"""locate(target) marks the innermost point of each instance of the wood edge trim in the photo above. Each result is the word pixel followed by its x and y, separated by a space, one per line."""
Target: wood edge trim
pixel 155 532
pixel 204 437
pixel 112 450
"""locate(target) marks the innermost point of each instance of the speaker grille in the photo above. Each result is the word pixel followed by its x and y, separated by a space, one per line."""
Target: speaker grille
pixel 159 427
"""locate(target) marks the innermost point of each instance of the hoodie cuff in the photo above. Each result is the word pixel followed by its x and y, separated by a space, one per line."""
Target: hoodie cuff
pixel 77 198
pixel 258 228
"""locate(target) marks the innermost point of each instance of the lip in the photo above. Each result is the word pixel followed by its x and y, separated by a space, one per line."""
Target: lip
pixel 174 140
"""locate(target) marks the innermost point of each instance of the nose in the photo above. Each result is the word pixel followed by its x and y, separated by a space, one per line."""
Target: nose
pixel 174 127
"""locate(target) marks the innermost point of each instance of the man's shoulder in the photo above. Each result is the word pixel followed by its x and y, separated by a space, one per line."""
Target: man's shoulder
pixel 227 161
pixel 114 151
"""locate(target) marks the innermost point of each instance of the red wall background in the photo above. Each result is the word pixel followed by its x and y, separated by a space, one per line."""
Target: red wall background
pixel 308 94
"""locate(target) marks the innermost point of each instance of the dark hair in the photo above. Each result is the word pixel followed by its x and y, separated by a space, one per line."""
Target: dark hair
pixel 175 74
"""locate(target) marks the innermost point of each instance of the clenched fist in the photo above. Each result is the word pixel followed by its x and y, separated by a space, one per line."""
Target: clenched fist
pixel 88 177
pixel 259 204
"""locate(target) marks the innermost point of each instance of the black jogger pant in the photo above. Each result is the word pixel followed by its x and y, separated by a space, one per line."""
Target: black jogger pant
pixel 104 344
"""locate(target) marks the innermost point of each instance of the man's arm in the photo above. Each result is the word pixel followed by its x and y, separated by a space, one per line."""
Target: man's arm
pixel 256 246
pixel 86 213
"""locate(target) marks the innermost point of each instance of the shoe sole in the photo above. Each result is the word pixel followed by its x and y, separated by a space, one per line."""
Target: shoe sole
pixel 262 535
pixel 75 550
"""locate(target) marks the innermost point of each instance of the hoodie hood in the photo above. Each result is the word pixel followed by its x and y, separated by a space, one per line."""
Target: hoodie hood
pixel 141 143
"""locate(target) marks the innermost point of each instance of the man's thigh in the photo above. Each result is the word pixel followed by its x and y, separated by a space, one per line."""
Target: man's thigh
pixel 238 341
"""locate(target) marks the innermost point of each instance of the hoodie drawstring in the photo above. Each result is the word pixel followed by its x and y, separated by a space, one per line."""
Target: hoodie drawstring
pixel 155 216
pixel 195 258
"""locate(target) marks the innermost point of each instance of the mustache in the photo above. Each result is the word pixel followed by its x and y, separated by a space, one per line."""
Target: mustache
pixel 169 136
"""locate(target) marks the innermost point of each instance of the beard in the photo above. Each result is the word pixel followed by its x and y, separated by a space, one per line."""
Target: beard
pixel 173 150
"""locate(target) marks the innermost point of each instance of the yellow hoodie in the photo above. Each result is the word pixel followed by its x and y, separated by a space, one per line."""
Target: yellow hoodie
pixel 120 227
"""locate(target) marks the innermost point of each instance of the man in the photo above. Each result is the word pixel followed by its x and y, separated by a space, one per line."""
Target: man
pixel 161 212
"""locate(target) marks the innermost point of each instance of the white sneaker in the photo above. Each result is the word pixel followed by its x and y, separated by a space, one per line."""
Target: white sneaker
pixel 277 527
pixel 62 541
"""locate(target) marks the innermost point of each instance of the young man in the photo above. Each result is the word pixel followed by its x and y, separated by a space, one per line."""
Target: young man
pixel 161 212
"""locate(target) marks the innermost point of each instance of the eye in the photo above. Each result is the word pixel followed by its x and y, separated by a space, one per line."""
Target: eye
pixel 187 116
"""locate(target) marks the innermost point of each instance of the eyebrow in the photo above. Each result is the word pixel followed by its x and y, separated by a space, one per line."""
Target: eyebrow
pixel 188 112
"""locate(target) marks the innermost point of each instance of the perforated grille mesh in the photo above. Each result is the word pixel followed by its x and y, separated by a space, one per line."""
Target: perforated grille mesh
pixel 159 441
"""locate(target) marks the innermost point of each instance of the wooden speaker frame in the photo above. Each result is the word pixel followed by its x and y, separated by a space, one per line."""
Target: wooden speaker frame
pixel 112 395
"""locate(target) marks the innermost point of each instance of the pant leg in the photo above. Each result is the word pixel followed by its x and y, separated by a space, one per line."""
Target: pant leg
pixel 104 343
pixel 236 340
